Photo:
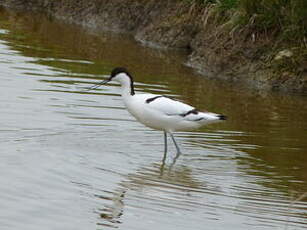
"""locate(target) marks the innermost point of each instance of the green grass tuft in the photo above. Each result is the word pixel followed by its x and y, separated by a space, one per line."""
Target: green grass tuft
pixel 286 17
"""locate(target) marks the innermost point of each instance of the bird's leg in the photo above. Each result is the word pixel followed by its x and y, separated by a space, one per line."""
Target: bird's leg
pixel 176 145
pixel 165 141
pixel 165 153
pixel 165 146
pixel 178 151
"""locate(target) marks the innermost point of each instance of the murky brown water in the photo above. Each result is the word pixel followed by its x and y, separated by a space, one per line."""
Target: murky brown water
pixel 77 160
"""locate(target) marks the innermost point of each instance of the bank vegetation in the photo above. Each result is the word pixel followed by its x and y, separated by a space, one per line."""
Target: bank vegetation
pixel 259 42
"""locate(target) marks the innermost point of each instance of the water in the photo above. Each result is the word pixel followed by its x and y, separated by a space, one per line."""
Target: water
pixel 71 159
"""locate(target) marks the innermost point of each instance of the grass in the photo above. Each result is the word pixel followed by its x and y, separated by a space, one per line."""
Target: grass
pixel 280 25
pixel 286 18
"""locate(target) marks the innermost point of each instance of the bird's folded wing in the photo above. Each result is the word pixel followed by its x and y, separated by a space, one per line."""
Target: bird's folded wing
pixel 169 106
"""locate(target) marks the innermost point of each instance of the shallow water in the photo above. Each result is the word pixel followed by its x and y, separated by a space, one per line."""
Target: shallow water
pixel 71 159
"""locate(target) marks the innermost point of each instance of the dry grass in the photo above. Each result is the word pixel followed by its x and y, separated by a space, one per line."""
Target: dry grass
pixel 270 26
pixel 286 18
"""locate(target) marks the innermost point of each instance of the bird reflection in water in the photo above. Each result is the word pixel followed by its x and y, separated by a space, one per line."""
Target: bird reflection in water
pixel 146 183
pixel 112 213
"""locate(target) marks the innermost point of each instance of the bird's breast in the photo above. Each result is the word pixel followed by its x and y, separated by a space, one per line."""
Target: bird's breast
pixel 133 107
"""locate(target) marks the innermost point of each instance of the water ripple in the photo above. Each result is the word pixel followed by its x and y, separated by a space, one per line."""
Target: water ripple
pixel 75 159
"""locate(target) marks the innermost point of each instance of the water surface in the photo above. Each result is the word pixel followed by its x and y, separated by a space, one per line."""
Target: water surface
pixel 71 159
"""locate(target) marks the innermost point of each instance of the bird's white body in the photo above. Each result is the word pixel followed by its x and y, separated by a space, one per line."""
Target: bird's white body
pixel 162 113
pixel 165 114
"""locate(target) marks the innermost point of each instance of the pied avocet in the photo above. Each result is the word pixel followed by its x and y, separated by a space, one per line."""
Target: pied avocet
pixel 157 111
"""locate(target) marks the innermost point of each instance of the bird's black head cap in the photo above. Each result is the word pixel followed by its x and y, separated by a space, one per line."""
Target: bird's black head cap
pixel 119 70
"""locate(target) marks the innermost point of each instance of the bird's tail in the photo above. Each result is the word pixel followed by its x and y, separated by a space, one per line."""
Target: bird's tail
pixel 208 118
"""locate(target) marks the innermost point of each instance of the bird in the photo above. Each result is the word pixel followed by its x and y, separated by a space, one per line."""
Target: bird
pixel 159 112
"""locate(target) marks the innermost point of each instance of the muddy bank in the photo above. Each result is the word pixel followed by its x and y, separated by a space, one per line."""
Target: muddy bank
pixel 237 56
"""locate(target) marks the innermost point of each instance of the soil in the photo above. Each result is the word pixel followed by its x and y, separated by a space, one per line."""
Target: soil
pixel 237 56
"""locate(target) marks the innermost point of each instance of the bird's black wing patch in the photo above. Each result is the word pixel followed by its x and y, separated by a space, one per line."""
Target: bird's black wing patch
pixel 152 99
pixel 199 119
pixel 222 117
pixel 193 111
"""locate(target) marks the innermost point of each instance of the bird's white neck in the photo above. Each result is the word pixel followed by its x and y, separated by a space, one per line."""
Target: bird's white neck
pixel 126 90
pixel 127 86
